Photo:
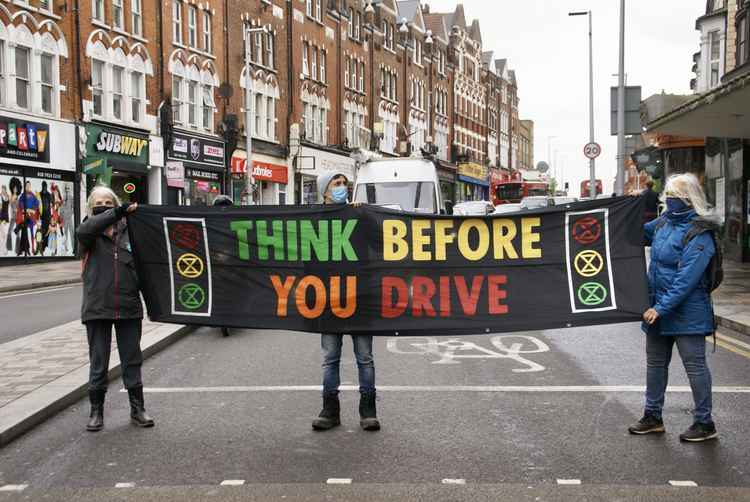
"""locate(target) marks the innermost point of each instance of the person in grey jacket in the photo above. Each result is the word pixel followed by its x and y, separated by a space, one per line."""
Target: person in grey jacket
pixel 111 298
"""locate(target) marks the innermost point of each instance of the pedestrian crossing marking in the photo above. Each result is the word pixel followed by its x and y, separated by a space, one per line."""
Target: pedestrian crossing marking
pixel 339 481
pixel 233 482
pixel 568 481
pixel 683 483
pixel 124 485
pixel 13 488
pixel 449 481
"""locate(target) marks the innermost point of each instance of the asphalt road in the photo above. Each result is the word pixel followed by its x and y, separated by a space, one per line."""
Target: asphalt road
pixel 28 312
pixel 239 408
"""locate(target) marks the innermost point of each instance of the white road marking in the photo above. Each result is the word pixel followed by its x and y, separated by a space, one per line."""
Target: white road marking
pixel 444 388
pixel 13 488
pixel 683 483
pixel 568 481
pixel 124 485
pixel 451 351
pixel 449 481
pixel 232 482
pixel 339 481
pixel 35 292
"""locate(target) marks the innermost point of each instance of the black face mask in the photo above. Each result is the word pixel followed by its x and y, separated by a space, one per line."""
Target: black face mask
pixel 99 210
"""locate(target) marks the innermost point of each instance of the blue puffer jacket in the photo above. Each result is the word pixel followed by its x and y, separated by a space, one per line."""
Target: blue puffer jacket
pixel 677 282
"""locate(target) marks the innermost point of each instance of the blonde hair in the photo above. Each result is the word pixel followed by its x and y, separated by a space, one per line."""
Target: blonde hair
pixel 687 187
pixel 100 190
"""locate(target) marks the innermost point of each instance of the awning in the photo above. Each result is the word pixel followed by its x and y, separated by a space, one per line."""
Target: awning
pixel 262 171
pixel 473 181
pixel 723 113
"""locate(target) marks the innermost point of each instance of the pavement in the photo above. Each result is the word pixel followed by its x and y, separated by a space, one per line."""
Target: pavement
pixel 732 299
pixel 15 278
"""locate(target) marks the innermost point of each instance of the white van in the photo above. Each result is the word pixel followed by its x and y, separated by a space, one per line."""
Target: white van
pixel 405 184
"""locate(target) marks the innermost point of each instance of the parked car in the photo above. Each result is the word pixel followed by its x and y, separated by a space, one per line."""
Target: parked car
pixel 535 202
pixel 473 208
pixel 561 201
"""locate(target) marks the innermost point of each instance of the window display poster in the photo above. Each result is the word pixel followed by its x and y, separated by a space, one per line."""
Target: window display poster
pixel 37 216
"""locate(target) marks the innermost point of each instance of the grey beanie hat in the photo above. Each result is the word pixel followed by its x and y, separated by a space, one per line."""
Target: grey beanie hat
pixel 325 179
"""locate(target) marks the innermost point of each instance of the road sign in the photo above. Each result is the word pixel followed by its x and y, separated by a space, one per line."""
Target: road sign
pixel 592 150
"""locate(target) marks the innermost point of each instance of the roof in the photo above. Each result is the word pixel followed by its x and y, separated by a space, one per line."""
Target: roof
pixel 456 18
pixel 487 59
pixel 500 66
pixel 476 32
pixel 408 9
pixel 512 75
pixel 436 24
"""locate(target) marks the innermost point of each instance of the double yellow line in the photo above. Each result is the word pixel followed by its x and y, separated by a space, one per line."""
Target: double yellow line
pixel 732 344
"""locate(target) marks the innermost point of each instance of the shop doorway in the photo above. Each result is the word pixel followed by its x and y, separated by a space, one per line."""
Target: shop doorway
pixel 130 187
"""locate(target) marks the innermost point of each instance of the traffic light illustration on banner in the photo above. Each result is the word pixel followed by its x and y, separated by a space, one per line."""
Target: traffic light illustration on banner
pixel 588 261
pixel 190 266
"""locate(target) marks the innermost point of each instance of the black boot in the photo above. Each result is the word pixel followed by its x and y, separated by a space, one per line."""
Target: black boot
pixel 137 410
pixel 96 418
pixel 330 416
pixel 367 413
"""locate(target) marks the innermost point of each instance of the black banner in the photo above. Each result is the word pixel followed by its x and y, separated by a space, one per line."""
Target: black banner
pixel 340 269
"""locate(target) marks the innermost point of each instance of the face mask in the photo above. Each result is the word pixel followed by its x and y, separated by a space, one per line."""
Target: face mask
pixel 99 210
pixel 676 205
pixel 338 194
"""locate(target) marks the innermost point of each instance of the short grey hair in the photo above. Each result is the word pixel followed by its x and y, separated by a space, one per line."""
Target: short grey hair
pixel 99 191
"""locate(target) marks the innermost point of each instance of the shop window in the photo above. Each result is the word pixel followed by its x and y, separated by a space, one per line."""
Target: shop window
pixel 48 82
pixel 23 81
pixel 136 17
pixel 117 17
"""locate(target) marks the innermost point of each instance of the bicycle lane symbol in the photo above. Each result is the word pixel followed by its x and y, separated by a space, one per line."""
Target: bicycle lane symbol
pixel 453 350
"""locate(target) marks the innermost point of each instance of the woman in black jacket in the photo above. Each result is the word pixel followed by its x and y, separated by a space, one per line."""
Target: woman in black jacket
pixel 111 298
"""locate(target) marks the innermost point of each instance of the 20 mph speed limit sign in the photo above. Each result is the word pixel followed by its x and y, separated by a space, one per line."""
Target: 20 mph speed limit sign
pixel 592 150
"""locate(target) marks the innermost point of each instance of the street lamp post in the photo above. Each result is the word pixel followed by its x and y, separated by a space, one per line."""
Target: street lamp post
pixel 249 98
pixel 620 180
pixel 592 162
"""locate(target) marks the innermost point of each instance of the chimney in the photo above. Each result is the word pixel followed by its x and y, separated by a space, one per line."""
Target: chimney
pixel 425 9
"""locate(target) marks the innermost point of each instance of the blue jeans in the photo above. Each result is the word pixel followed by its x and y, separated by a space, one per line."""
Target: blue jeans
pixel 331 345
pixel 692 350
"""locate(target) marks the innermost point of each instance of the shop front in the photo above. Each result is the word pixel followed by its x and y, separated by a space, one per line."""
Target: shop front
pixel 119 158
pixel 717 116
pixel 195 169
pixel 311 163
pixel 472 182
pixel 39 199
pixel 447 177
pixel 271 176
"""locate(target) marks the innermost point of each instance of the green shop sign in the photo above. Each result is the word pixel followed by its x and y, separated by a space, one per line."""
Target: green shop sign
pixel 120 148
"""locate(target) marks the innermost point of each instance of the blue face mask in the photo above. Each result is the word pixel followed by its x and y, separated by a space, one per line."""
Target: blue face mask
pixel 339 194
pixel 676 205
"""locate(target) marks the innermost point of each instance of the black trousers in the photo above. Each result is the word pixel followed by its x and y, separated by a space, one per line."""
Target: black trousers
pixel 128 332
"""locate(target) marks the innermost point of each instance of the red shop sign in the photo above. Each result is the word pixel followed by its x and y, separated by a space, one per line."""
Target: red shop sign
pixel 262 171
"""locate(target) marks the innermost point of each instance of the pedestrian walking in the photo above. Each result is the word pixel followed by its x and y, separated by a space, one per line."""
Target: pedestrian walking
pixel 651 200
pixel 682 246
pixel 333 188
pixel 111 299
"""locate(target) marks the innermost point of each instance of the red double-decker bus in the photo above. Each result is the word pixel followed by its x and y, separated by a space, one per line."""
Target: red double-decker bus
pixel 511 192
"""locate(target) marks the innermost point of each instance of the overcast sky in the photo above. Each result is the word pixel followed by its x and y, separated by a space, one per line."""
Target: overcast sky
pixel 549 52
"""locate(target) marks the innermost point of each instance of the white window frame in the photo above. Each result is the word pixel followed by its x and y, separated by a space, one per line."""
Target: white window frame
pixel 269 50
pixel 322 65
pixel 314 55
pixel 118 14
pixel 48 86
pixel 347 60
pixel 192 103
pixel 309 8
pixel 178 82
pixel 118 92
pixel 193 26
pixel 97 10
pixel 137 86
pixel 97 90
pixel 3 75
pixel 209 107
pixel 361 77
pixel 305 61
pixel 207 20
pixel 319 10
pixel 136 17
pixel 270 118
pixel 177 21
pixel 25 81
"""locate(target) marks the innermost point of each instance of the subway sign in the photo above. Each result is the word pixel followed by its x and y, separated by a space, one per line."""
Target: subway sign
pixel 24 140
pixel 116 145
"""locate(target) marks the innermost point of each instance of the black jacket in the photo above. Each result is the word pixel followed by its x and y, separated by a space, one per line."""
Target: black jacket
pixel 110 282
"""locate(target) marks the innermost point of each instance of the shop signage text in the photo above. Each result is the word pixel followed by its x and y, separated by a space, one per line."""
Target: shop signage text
pixel 117 145
pixel 24 140
pixel 197 149
pixel 473 170
pixel 121 144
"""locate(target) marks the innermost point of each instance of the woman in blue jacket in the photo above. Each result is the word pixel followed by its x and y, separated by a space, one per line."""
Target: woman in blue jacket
pixel 681 311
